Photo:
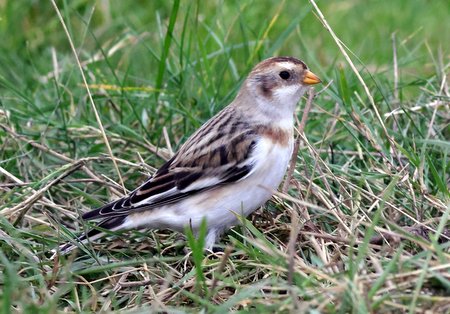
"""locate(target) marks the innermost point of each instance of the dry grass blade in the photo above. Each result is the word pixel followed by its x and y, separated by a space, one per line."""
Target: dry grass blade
pixel 300 130
pixel 52 152
pixel 91 100
pixel 355 70
pixel 27 203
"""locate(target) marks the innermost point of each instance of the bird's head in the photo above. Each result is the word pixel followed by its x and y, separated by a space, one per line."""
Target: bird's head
pixel 278 83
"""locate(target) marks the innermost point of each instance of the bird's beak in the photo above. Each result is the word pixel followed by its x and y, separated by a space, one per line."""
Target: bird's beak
pixel 310 78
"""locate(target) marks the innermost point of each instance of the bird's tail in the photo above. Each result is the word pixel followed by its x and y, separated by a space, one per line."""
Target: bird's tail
pixel 108 224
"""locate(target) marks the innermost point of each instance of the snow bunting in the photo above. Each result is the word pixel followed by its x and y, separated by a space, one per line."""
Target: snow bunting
pixel 230 166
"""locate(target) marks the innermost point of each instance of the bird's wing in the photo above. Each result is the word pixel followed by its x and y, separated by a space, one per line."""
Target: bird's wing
pixel 214 160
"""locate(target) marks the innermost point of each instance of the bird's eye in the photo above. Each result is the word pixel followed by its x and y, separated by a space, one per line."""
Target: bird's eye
pixel 285 75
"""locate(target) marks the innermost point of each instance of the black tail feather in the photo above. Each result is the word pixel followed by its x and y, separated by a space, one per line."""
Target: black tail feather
pixel 112 224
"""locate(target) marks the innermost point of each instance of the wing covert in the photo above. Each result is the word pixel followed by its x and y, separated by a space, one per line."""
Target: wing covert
pixel 216 164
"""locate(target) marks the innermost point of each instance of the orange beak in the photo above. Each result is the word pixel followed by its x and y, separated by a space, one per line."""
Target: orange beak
pixel 311 79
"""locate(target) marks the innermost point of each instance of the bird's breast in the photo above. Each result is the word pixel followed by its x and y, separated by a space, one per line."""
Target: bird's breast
pixel 275 154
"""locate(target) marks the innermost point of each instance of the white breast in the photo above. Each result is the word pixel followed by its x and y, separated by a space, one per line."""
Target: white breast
pixel 271 164
pixel 246 196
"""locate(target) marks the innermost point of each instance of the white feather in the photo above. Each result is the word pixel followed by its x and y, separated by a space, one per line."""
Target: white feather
pixel 201 184
pixel 156 197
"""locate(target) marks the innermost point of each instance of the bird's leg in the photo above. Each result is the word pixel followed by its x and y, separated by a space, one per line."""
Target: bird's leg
pixel 210 239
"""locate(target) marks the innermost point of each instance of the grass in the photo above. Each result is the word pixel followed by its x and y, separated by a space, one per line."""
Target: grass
pixel 363 225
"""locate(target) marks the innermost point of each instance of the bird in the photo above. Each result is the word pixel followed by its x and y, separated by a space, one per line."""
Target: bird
pixel 228 168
